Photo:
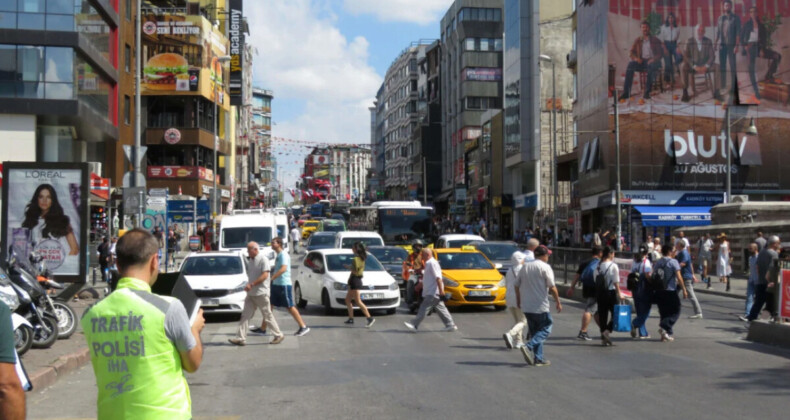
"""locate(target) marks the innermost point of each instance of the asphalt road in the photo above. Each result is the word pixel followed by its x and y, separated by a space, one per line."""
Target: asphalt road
pixel 336 371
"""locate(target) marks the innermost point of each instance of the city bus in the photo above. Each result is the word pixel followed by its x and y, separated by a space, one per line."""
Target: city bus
pixel 398 222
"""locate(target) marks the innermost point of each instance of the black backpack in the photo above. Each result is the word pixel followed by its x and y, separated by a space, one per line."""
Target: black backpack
pixel 632 283
pixel 601 286
pixel 658 279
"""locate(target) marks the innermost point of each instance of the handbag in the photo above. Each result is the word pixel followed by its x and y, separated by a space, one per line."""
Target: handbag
pixel 622 318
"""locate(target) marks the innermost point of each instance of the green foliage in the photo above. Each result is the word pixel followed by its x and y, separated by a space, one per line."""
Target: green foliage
pixel 771 25
pixel 655 20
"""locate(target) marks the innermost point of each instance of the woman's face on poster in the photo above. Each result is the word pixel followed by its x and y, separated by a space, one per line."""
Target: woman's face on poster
pixel 44 200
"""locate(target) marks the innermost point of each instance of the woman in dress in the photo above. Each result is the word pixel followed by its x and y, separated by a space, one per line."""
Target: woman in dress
pixel 723 268
pixel 45 219
pixel 355 285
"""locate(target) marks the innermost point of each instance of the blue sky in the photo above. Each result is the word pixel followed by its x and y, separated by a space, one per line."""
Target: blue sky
pixel 325 60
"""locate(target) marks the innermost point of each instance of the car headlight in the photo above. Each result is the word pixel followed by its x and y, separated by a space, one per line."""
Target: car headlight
pixel 501 282
pixel 239 288
pixel 394 286
pixel 340 286
pixel 448 282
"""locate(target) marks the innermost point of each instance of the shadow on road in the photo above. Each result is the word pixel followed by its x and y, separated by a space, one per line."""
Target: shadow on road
pixel 499 348
pixel 763 348
pixel 496 364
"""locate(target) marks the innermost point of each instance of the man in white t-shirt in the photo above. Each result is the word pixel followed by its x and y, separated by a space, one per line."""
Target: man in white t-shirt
pixel 529 253
pixel 295 237
pixel 535 282
pixel 432 294
pixel 258 297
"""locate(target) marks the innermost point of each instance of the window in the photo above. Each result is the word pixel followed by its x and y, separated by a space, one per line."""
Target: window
pixel 484 44
pixel 127 110
pixel 469 44
pixel 480 14
pixel 127 58
pixel 128 9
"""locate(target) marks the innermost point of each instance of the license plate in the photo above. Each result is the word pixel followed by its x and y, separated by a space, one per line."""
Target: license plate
pixel 479 293
pixel 369 296
pixel 209 302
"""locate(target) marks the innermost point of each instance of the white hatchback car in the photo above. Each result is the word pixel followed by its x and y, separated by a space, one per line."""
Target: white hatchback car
pixel 456 240
pixel 322 279
pixel 218 279
pixel 348 238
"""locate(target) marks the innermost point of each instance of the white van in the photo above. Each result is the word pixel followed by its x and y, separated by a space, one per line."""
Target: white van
pixel 241 227
pixel 347 239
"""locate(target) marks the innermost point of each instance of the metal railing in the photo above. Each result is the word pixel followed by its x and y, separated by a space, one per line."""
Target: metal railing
pixel 567 260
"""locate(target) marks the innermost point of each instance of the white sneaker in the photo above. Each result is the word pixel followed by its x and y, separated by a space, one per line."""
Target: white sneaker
pixel 411 327
pixel 697 316
pixel 450 328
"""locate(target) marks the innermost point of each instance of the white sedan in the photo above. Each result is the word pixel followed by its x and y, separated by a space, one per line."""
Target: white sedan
pixel 218 279
pixel 322 279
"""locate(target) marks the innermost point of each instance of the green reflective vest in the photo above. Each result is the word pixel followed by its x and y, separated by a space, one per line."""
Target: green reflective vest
pixel 138 369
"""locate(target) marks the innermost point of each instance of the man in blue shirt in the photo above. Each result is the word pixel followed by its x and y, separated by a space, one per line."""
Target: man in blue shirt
pixel 668 269
pixel 282 288
pixel 687 272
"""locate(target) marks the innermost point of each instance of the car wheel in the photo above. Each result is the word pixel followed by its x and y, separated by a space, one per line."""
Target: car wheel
pixel 300 303
pixel 391 311
pixel 327 303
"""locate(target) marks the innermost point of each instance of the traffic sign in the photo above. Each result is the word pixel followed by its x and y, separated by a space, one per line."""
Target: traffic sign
pixel 127 150
pixel 131 200
pixel 127 180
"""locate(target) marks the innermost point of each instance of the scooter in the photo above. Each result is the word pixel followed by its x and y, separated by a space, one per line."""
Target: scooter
pixel 30 292
pixel 23 329
pixel 67 318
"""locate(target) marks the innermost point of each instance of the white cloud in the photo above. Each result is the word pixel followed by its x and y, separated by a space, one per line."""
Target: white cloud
pixel 422 12
pixel 303 56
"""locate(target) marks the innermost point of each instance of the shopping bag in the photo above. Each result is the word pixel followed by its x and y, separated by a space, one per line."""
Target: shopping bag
pixel 622 318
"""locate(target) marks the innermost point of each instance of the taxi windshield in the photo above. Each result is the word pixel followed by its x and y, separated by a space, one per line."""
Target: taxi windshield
pixel 497 251
pixel 463 261
pixel 457 243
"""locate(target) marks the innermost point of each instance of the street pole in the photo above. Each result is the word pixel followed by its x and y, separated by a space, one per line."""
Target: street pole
pixel 728 179
pixel 424 183
pixel 554 154
pixel 617 163
pixel 137 124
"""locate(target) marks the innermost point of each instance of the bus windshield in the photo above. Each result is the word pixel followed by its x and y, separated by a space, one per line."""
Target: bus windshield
pixel 401 226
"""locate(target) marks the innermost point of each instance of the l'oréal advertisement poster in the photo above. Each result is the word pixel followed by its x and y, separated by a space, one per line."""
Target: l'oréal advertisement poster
pixel 45 214
pixel 675 67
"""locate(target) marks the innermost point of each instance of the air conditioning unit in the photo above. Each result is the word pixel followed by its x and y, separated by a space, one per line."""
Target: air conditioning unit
pixel 739 198
pixel 570 59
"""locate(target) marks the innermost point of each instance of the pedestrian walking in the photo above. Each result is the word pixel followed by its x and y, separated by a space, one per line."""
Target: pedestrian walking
pixel 655 254
pixel 723 267
pixel 534 284
pixel 355 284
pixel 585 275
pixel 608 293
pixel 295 237
pixel 752 282
pixel 282 287
pixel 433 296
pixel 683 258
pixel 103 251
pixel 141 343
pixel 705 257
pixel 668 280
pixel 760 240
pixel 767 279
pixel 514 337
pixel 258 290
pixel 643 294
pixel 529 251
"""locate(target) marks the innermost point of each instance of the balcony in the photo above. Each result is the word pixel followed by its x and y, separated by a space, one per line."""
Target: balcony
pixel 188 137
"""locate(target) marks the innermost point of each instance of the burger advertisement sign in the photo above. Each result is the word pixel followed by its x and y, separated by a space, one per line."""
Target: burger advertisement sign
pixel 181 56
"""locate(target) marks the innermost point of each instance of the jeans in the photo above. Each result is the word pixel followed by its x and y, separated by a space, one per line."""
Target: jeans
pixel 643 303
pixel 762 296
pixel 517 331
pixel 540 327
pixel 429 302
pixel 668 309
pixel 726 53
pixel 749 298
pixel 671 59
pixel 693 296
pixel 633 66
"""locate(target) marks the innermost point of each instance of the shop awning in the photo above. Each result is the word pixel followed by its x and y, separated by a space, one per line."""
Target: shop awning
pixel 674 216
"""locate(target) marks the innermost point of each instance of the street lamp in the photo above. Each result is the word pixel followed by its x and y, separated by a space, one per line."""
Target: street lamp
pixel 751 130
pixel 554 183
pixel 217 86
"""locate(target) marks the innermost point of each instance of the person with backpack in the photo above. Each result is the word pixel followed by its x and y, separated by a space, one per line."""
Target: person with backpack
pixel 665 280
pixel 642 292
pixel 607 289
pixel 586 275
pixel 514 337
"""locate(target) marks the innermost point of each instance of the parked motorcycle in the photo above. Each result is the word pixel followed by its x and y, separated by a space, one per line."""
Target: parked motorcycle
pixel 23 329
pixel 67 318
pixel 30 294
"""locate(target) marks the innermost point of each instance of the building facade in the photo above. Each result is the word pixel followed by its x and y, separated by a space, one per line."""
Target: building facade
pixel 471 83
pixel 262 163
pixel 335 172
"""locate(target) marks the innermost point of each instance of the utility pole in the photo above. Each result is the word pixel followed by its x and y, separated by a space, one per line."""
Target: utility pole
pixel 554 155
pixel 617 163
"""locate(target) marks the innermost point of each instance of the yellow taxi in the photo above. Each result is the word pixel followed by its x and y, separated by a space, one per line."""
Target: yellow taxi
pixel 309 227
pixel 470 278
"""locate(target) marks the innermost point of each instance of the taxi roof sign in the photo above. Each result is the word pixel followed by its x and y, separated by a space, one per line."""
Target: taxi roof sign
pixel 468 248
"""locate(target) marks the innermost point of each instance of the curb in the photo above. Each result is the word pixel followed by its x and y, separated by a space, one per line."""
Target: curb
pixel 769 333
pixel 47 376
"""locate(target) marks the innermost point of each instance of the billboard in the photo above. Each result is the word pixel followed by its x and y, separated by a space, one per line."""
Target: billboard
pixel 188 172
pixel 236 33
pixel 45 210
pixel 677 66
pixel 181 56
